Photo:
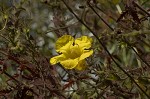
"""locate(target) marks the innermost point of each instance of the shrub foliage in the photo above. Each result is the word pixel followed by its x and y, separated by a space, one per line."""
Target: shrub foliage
pixel 118 69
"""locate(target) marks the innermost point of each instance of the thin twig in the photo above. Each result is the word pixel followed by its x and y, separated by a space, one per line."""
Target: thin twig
pixel 137 54
pixel 12 78
pixel 113 30
pixel 105 13
pixel 105 48
pixel 59 28
pixel 100 17
pixel 4 26
pixel 5 38
pixel 141 8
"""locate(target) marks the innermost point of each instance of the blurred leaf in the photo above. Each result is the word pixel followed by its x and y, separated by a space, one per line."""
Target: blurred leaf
pixel 144 81
pixel 75 96
pixel 104 83
pixel 115 1
pixel 114 77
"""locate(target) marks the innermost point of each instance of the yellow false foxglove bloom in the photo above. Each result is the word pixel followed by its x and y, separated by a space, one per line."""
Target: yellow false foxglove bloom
pixel 72 52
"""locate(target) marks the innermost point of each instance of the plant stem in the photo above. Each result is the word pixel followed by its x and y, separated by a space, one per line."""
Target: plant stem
pixel 132 79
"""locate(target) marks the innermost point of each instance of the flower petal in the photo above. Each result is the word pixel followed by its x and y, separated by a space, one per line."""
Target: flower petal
pixel 63 41
pixel 66 48
pixel 81 65
pixel 57 59
pixel 69 63
pixel 84 42
pixel 73 52
pixel 86 54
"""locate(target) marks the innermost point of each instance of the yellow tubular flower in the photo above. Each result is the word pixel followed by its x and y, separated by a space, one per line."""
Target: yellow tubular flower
pixel 73 52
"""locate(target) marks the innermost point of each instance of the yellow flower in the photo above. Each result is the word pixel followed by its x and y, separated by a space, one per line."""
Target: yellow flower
pixel 72 52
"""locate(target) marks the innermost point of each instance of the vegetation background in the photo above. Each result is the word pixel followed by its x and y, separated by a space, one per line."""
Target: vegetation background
pixel 118 69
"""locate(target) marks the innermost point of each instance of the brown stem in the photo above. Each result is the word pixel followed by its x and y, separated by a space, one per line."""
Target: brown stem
pixel 105 48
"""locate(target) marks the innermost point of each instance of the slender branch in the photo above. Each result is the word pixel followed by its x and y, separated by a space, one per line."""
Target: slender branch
pixel 5 38
pixel 105 48
pixel 12 78
pixel 105 13
pixel 100 17
pixel 55 29
pixel 141 8
pixel 4 26
pixel 40 73
pixel 137 53
pixel 113 30
pixel 147 44
pixel 19 82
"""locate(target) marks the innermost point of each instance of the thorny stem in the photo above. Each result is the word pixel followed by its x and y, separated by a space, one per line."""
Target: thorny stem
pixel 105 48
